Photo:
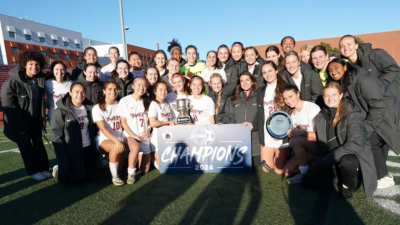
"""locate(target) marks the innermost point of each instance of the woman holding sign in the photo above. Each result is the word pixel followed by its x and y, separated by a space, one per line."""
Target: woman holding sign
pixel 133 111
pixel 160 114
pixel 269 99
pixel 202 107
pixel 302 136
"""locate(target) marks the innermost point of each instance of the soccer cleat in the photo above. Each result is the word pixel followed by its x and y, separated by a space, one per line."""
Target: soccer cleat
pixel 385 182
pixel 55 172
pixel 47 174
pixel 117 181
pixel 131 179
pixel 296 179
pixel 38 176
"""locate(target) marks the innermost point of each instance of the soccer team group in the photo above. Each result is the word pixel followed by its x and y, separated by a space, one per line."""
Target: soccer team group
pixel 345 110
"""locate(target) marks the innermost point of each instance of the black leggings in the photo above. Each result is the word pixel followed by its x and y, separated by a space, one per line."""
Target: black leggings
pixel 380 150
pixel 347 171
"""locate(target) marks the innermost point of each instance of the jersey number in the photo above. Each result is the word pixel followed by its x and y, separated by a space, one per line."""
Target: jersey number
pixel 141 122
pixel 195 118
pixel 82 125
pixel 116 126
pixel 271 109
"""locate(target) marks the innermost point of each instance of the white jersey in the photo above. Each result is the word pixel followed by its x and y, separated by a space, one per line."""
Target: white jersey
pixel 170 99
pixel 268 109
pixel 206 74
pixel 304 120
pixel 111 119
pixel 298 80
pixel 201 109
pixel 55 91
pixel 161 111
pixel 136 118
pixel 105 72
pixel 83 119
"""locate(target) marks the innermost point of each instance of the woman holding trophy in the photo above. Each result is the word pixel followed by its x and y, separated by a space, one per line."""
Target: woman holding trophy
pixel 202 107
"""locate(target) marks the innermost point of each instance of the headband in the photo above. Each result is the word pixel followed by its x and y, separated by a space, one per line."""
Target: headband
pixel 197 77
pixel 174 48
pixel 140 77
pixel 237 44
pixel 176 75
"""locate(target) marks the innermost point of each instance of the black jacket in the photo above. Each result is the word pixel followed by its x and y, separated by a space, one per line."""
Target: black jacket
pixel 380 108
pixel 239 113
pixel 67 137
pixel 257 73
pixel 381 65
pixel 92 88
pixel 79 70
pixel 224 97
pixel 232 75
pixel 352 136
pixel 241 65
pixel 311 86
pixel 16 96
pixel 124 88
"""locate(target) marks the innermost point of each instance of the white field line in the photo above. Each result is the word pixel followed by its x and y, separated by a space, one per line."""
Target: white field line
pixel 388 192
pixel 388 205
pixel 391 153
pixel 393 164
pixel 11 150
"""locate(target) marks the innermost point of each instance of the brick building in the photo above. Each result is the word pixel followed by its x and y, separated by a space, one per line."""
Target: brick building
pixel 387 40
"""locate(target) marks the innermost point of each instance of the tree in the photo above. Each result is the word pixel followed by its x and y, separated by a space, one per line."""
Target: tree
pixel 359 40
pixel 331 50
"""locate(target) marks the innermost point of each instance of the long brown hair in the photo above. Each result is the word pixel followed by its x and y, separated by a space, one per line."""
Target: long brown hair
pixel 341 105
pixel 186 83
pixel 295 89
pixel 239 89
pixel 102 99
pixel 279 104
pixel 114 73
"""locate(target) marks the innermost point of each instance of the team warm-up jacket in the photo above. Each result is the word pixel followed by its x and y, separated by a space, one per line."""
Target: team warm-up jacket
pixel 239 113
pixel 92 88
pixel 381 65
pixel 79 70
pixel 379 107
pixel 311 86
pixel 222 104
pixel 67 137
pixel 232 75
pixel 124 87
pixel 241 65
pixel 257 73
pixel 352 137
pixel 16 97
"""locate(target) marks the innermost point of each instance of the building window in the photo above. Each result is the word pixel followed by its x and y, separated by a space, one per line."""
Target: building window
pixel 28 37
pixel 78 46
pixel 66 44
pixel 44 53
pixel 14 50
pixel 79 58
pixel 11 34
pixel 56 55
pixel 67 56
pixel 42 39
pixel 54 42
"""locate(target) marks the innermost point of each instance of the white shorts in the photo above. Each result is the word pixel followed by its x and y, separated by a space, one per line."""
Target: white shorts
pixel 145 147
pixel 100 139
pixel 270 142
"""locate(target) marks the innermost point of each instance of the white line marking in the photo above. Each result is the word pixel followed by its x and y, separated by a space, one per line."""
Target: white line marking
pixel 230 141
pixel 391 153
pixel 392 164
pixel 389 205
pixel 11 150
pixel 395 174
pixel 388 192
pixel 229 167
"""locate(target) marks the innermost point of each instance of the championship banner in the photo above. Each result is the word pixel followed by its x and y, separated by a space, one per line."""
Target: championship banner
pixel 204 148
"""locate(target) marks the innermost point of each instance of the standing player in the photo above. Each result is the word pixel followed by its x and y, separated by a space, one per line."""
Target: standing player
pixel 202 107
pixel 105 72
pixel 133 111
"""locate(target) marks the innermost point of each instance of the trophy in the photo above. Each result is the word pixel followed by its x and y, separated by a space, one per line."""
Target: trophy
pixel 182 108
pixel 278 124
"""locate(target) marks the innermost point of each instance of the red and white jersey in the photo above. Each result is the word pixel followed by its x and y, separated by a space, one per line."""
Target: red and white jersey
pixel 268 109
pixel 304 120
pixel 136 118
pixel 111 119
pixel 55 91
pixel 170 99
pixel 161 111
pixel 83 119
pixel 201 109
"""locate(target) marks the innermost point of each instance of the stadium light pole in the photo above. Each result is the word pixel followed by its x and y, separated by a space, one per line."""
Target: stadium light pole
pixel 121 13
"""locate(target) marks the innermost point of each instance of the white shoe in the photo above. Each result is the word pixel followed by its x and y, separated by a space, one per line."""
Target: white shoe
pixel 296 179
pixel 117 181
pixel 38 176
pixel 55 172
pixel 385 182
pixel 47 174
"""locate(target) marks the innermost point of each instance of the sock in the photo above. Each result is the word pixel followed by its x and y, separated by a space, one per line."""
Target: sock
pixel 303 169
pixel 131 171
pixel 113 169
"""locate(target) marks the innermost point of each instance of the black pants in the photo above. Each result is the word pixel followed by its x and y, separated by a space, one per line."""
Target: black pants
pixel 380 150
pixel 32 149
pixel 347 171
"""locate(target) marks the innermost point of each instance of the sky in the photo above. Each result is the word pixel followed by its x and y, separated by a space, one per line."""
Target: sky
pixel 209 23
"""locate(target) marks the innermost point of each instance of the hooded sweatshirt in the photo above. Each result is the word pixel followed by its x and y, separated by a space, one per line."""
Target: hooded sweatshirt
pixel 92 88
pixel 79 70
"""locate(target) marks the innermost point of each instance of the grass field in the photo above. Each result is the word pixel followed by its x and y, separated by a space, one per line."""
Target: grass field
pixel 247 198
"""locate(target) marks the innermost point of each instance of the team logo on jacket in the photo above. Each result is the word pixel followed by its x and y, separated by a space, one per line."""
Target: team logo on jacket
pixel 203 136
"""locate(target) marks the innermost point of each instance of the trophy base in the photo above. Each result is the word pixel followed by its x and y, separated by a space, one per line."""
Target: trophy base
pixel 184 120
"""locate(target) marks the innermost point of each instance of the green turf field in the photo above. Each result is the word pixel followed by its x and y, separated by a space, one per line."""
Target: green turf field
pixel 248 198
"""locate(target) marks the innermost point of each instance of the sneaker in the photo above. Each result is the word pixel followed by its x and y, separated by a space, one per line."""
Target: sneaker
pixel 346 193
pixel 55 172
pixel 296 179
pixel 131 179
pixel 47 174
pixel 117 181
pixel 38 176
pixel 386 182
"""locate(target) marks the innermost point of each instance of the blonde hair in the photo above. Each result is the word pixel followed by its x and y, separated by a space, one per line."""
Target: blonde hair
pixel 341 105
pixel 306 47
pixel 216 75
